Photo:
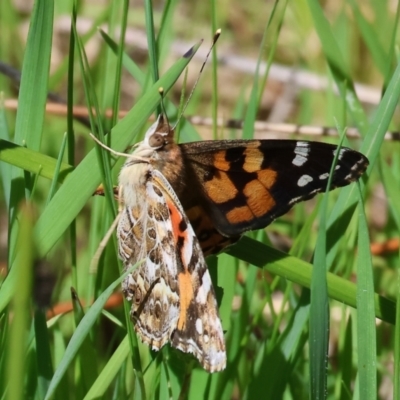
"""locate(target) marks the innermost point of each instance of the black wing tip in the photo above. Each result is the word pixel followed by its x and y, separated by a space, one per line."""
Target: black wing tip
pixel 357 163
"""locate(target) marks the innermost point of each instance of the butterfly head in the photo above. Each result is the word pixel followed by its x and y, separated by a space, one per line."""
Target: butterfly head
pixel 157 137
pixel 159 134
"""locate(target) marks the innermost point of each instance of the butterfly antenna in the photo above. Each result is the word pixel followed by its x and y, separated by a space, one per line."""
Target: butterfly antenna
pixel 215 38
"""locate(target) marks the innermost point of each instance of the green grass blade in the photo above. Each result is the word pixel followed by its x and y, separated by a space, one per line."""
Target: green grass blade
pixel 57 169
pixel 347 200
pixel 96 122
pixel 81 333
pixel 31 102
pixel 393 193
pixel 396 369
pixel 344 381
pixel 319 306
pixel 109 372
pixel 253 105
pixel 119 62
pixel 366 329
pixel 151 41
pixel 33 161
pixel 86 353
pixel 35 74
pixel 299 271
pixel 17 362
pixel 127 62
pixel 43 353
pixel 372 40
pixel 5 169
pixel 337 65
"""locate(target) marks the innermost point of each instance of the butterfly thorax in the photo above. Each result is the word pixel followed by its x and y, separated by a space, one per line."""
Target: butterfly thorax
pixel 166 156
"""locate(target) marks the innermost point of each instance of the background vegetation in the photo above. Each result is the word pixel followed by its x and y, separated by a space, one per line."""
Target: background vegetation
pixel 103 56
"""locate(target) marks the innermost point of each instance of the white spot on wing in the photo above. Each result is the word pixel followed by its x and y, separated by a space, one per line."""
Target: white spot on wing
pixel 301 150
pixel 199 326
pixel 204 289
pixel 324 176
pixel 304 180
pixel 341 153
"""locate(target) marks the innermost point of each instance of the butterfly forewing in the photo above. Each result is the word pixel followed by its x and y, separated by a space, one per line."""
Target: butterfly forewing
pixel 248 184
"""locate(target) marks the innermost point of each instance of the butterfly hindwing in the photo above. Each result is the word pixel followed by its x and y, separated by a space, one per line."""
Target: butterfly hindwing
pixel 198 329
pixel 144 233
pixel 172 295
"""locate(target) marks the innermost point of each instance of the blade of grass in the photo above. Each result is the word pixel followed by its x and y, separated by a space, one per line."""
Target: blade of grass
pixel 344 381
pixel 33 161
pixel 109 372
pixel 151 43
pixel 71 133
pixel 337 65
pixel 43 353
pixel 81 333
pixel 119 61
pixel 299 271
pixel 392 192
pixel 347 199
pixel 396 362
pixel 96 123
pixel 31 101
pixel 17 358
pixel 366 330
pixel 237 339
pixel 86 353
pixel 127 62
pixel 98 20
pixel 5 169
pixel 251 113
pixel 319 305
pixel 57 169
pixel 371 39
pixel 35 75
pixel 290 343
pixel 165 33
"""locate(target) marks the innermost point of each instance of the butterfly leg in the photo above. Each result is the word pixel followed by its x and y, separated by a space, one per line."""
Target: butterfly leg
pixel 100 191
pixel 95 260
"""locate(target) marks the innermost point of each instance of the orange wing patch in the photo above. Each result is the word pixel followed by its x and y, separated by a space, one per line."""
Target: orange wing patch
pixel 220 188
pixel 259 198
pixel 254 158
pixel 220 161
pixel 239 214
pixel 186 297
pixel 267 177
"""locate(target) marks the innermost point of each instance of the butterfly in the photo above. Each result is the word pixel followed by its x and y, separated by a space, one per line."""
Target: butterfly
pixel 182 202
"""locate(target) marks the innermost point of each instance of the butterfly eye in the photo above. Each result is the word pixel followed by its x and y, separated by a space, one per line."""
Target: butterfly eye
pixel 156 140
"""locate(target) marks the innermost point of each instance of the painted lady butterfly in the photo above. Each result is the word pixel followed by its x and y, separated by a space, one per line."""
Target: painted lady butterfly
pixel 179 203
